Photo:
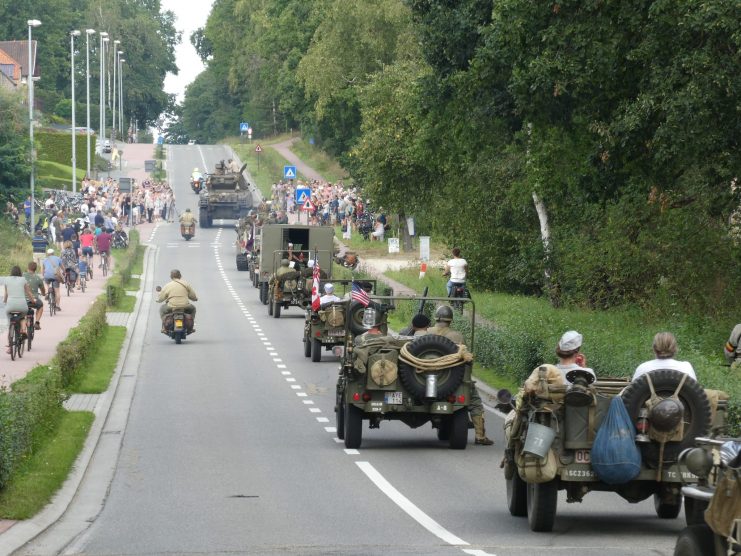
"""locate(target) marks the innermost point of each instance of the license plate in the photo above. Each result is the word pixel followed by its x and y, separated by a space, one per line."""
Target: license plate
pixel 340 332
pixel 441 407
pixel 583 456
pixel 179 323
pixel 392 398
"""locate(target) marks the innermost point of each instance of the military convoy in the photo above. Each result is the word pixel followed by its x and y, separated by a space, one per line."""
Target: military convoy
pixel 415 380
pixel 552 428
pixel 227 195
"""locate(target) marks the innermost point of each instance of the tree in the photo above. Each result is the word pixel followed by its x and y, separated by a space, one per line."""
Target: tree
pixel 14 144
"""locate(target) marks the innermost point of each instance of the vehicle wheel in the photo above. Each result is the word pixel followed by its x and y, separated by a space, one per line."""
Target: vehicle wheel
pixel 20 346
pixel 695 540
pixel 355 318
pixel 264 293
pixel 316 350
pixel 29 336
pixel 667 510
pixel 517 496
pixel 443 429
pixel 542 500
pixel 353 421
pixel 242 263
pixel 210 221
pixel 696 411
pixel 307 345
pixel 83 285
pixel 694 511
pixel 276 309
pixel 203 218
pixel 270 308
pixel 340 418
pixel 11 341
pixel 459 430
pixel 427 347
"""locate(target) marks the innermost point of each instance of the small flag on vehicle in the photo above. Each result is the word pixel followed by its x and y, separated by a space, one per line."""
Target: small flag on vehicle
pixel 315 297
pixel 360 295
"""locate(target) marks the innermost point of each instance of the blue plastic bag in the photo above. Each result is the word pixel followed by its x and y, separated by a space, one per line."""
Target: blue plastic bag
pixel 615 457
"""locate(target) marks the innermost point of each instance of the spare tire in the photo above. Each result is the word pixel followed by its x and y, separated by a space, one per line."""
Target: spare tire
pixel 431 346
pixel 355 318
pixel 692 397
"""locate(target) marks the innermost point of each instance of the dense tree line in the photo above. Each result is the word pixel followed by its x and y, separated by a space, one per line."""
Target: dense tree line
pixel 586 150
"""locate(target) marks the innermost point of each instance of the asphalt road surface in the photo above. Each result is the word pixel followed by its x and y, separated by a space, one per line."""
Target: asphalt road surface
pixel 230 446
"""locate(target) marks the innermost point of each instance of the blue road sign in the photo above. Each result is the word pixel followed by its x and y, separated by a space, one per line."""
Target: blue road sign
pixel 289 172
pixel 160 140
pixel 243 127
pixel 302 195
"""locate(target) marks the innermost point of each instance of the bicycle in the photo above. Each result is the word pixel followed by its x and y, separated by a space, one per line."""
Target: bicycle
pixel 83 275
pixel 68 281
pixel 16 341
pixel 51 299
pixel 30 323
pixel 104 262
pixel 460 291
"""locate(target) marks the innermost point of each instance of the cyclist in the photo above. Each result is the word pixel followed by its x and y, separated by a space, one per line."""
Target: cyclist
pixel 69 263
pixel 104 245
pixel 17 294
pixel 52 274
pixel 457 269
pixel 86 241
pixel 36 283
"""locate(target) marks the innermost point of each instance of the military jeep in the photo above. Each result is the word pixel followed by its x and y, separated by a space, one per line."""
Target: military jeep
pixel 325 328
pixel 412 379
pixel 713 506
pixel 293 288
pixel 573 413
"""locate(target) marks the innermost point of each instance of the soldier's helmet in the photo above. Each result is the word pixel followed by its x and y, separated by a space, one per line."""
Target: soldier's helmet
pixel 187 210
pixel 444 313
pixel 284 262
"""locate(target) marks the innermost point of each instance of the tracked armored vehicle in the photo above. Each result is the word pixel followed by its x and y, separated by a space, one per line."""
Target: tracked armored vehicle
pixel 227 195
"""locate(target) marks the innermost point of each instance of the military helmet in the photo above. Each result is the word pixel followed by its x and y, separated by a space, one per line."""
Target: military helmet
pixel 284 262
pixel 187 210
pixel 444 313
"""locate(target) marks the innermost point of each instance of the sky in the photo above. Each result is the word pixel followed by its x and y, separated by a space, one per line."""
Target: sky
pixel 191 14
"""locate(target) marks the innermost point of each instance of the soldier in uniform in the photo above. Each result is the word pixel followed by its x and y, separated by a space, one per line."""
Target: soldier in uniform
pixel 232 166
pixel 443 318
pixel 187 220
pixel 732 349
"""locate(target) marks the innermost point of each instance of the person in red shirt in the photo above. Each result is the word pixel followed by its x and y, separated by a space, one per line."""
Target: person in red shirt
pixel 104 243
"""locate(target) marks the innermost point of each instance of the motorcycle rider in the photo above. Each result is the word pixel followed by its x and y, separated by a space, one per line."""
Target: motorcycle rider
pixel 443 318
pixel 196 176
pixel 187 222
pixel 457 269
pixel 177 294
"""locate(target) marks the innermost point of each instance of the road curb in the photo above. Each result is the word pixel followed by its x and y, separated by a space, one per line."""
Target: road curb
pixel 26 531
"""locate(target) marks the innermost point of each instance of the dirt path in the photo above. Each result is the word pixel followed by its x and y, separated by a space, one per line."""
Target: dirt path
pixel 284 149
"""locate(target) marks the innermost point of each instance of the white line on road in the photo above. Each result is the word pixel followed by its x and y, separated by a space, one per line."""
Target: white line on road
pixel 309 402
pixel 477 552
pixel 408 506
pixel 322 420
pixel 351 452
pixel 331 429
pixel 315 410
pixel 301 394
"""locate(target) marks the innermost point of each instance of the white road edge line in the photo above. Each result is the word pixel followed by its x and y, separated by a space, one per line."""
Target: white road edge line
pixel 477 552
pixel 408 506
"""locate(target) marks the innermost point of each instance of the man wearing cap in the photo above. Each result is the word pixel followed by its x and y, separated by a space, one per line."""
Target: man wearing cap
pixel 420 322
pixel 329 296
pixel 569 354
pixel 52 270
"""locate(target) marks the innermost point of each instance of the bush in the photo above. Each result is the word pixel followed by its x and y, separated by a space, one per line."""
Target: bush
pixel 57 147
pixel 73 350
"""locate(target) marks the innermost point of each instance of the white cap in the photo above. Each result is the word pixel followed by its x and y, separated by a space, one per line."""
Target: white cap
pixel 50 251
pixel 310 264
pixel 290 245
pixel 570 341
pixel 328 288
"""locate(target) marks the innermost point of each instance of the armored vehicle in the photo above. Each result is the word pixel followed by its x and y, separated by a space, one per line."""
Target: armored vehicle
pixel 274 244
pixel 552 430
pixel 227 195
pixel 412 379
pixel 713 506
pixel 324 329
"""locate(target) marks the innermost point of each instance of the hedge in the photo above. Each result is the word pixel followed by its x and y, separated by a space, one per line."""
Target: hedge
pixel 57 147
pixel 124 264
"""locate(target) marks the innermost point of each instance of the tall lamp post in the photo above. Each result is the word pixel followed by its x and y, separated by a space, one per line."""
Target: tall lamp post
pixel 101 108
pixel 88 32
pixel 72 36
pixel 30 71
pixel 113 100
pixel 120 96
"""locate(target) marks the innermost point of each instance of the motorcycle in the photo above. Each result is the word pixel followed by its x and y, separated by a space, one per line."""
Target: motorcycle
pixel 196 185
pixel 177 324
pixel 188 232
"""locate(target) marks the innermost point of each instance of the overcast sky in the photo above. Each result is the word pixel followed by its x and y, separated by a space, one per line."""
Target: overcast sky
pixel 191 15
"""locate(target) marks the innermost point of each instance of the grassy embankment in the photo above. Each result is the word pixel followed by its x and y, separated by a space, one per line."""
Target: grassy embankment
pixel 321 162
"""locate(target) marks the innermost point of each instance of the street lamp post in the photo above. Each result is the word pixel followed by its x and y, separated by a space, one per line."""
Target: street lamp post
pixel 120 96
pixel 88 32
pixel 30 71
pixel 72 36
pixel 113 100
pixel 101 107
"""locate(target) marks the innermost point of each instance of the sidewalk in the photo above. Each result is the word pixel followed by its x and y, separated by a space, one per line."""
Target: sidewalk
pixel 284 149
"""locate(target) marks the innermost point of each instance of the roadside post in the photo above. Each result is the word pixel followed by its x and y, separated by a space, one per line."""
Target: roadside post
pixel 424 248
pixel 258 150
pixel 303 195
pixel 243 128
pixel 289 172
pixel 124 186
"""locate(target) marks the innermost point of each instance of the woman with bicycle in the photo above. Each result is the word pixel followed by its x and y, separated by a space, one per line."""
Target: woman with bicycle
pixel 17 295
pixel 69 264
pixel 87 239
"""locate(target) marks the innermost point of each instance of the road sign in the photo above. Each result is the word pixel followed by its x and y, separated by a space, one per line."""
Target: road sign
pixel 124 184
pixel 258 149
pixel 160 140
pixel 308 206
pixel 149 166
pixel 303 194
pixel 289 172
pixel 243 127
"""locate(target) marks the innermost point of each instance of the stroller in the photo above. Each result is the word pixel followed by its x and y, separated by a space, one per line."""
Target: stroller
pixel 120 240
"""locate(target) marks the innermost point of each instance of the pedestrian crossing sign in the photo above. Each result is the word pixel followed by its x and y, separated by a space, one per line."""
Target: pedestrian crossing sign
pixel 303 194
pixel 243 127
pixel 289 172
pixel 308 206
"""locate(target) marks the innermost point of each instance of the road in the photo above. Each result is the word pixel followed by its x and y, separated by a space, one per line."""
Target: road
pixel 229 447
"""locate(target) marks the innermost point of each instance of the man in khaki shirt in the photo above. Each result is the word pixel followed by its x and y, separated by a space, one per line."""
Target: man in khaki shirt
pixel 178 295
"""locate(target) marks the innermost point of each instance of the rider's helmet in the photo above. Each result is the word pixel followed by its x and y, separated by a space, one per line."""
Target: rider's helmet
pixel 284 262
pixel 195 170
pixel 444 313
pixel 187 210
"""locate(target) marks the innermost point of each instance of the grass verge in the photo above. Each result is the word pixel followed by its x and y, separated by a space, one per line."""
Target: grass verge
pixel 124 304
pixel 133 285
pixel 270 167
pixel 15 247
pixel 320 161
pixel 96 371
pixel 41 474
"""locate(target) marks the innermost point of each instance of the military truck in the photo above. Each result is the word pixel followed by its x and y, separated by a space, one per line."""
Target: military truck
pixel 712 507
pixel 274 240
pixel 324 329
pixel 412 379
pixel 552 428
pixel 227 195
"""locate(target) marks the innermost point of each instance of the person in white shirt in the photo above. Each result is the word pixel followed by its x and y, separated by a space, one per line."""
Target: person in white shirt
pixel 457 269
pixel 665 348
pixel 329 296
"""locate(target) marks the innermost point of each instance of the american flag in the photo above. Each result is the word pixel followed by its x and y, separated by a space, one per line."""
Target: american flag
pixel 315 297
pixel 359 294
